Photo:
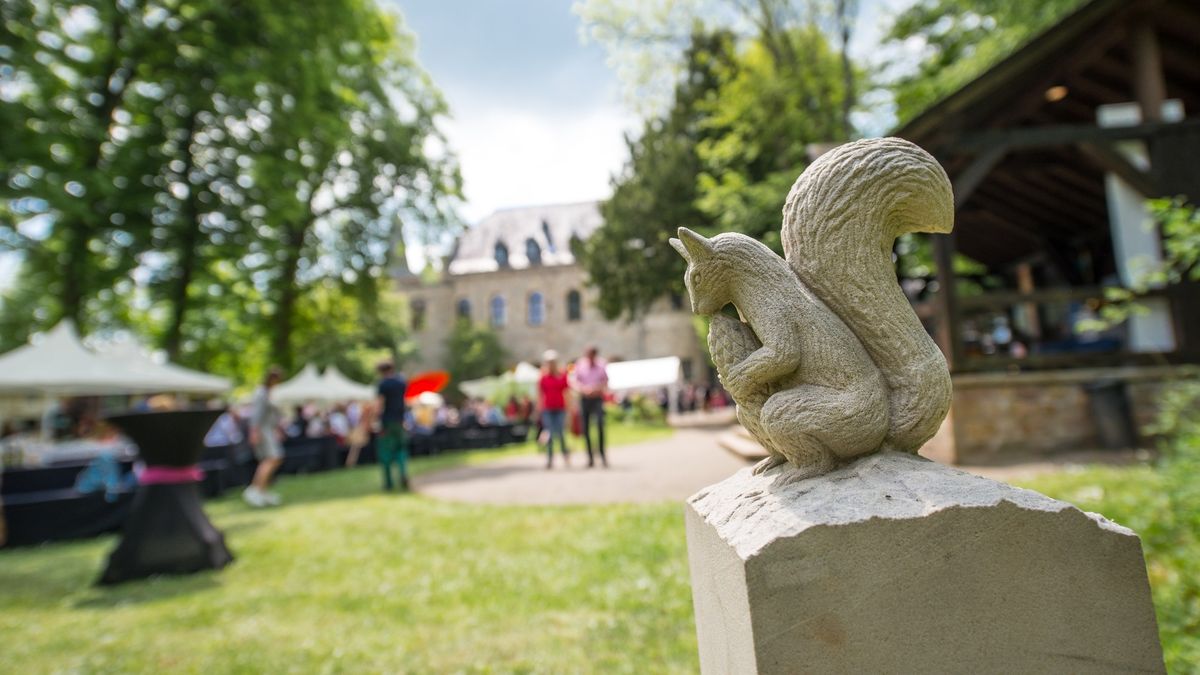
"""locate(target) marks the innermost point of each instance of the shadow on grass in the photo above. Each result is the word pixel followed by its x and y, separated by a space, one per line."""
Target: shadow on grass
pixel 152 589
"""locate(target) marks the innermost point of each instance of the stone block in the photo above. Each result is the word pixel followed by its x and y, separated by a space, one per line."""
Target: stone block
pixel 895 564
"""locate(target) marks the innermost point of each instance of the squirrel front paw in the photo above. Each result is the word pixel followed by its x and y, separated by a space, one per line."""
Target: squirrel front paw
pixel 769 463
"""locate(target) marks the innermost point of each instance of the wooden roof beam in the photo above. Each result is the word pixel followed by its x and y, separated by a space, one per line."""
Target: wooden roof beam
pixel 1065 134
pixel 1091 204
pixel 1017 212
pixel 969 178
pixel 1012 228
pixel 1035 92
pixel 1114 162
pixel 1055 210
pixel 1149 84
pixel 1093 185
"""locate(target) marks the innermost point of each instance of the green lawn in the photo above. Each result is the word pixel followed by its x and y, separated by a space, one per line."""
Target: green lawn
pixel 343 578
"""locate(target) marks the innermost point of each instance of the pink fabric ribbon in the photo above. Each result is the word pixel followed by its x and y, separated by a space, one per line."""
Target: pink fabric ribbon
pixel 165 475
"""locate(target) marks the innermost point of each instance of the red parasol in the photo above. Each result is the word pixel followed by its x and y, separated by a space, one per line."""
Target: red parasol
pixel 434 380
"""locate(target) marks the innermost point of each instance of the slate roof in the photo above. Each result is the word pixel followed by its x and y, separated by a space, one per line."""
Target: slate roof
pixel 551 227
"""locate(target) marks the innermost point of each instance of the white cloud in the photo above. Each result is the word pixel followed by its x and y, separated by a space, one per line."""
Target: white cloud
pixel 516 157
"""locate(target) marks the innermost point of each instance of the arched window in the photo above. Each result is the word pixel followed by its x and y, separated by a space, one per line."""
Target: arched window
pixel 499 312
pixel 501 254
pixel 418 315
pixel 537 309
pixel 533 252
pixel 574 306
pixel 464 309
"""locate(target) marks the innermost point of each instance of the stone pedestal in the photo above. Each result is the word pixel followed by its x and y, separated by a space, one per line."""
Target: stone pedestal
pixel 896 564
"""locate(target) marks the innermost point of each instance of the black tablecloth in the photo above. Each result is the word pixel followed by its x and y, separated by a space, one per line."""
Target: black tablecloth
pixel 52 515
pixel 166 532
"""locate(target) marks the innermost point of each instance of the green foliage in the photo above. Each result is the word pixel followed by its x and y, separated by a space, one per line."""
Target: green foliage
pixel 1179 223
pixel 723 158
pixel 338 328
pixel 761 121
pixel 474 352
pixel 641 410
pixel 960 39
pixel 175 166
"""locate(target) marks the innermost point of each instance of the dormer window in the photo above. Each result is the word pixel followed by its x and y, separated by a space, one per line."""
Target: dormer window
pixel 501 254
pixel 418 315
pixel 533 252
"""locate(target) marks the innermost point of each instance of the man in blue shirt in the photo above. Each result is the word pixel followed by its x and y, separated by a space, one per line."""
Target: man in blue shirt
pixel 390 446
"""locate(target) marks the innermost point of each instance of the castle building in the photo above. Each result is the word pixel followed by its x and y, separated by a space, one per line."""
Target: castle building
pixel 515 273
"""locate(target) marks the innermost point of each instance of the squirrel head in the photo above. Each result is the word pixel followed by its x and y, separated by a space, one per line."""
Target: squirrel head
pixel 706 296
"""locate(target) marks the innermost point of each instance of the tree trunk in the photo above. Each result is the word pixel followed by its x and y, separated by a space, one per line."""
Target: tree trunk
pixel 76 264
pixel 285 308
pixel 848 95
pixel 189 243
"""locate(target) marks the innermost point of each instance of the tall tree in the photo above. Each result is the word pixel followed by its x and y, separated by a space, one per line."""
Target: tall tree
pixel 184 165
pixel 771 106
pixel 751 98
pixel 71 173
pixel 656 194
pixel 342 158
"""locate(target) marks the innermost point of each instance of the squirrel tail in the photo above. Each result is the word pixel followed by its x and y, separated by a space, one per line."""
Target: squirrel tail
pixel 839 223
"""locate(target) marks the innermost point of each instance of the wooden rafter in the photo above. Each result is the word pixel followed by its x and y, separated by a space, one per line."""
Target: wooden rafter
pixel 969 178
pixel 1080 204
pixel 1114 162
pixel 1065 134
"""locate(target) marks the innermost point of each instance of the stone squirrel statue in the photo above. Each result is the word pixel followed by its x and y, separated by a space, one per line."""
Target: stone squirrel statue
pixel 827 360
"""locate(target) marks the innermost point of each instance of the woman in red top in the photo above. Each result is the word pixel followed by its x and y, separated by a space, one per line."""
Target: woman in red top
pixel 552 401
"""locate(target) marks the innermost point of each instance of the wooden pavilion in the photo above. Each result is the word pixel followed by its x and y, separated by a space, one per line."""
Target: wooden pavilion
pixel 1052 153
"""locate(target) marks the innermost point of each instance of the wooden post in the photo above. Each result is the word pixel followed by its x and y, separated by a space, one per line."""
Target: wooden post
pixel 1148 83
pixel 947 299
pixel 1029 310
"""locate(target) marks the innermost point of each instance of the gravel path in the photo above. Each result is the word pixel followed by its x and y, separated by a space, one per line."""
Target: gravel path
pixel 670 469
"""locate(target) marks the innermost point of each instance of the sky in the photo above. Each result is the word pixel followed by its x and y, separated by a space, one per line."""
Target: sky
pixel 537 115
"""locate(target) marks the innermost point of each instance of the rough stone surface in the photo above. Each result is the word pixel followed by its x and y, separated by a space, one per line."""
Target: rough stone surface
pixel 895 564
pixel 828 361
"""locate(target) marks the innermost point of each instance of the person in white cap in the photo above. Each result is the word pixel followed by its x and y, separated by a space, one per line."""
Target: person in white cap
pixel 552 403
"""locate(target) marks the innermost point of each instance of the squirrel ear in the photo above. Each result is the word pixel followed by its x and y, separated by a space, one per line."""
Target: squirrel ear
pixel 698 247
pixel 678 246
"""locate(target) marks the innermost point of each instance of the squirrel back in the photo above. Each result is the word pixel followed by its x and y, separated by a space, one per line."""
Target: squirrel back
pixel 839 223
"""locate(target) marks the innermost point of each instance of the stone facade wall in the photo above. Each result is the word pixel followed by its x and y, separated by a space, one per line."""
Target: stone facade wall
pixel 999 415
pixel 665 331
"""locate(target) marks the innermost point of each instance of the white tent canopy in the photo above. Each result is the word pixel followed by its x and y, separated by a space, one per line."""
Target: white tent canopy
pixel 344 388
pixel 182 380
pixel 309 385
pixel 644 374
pixel 59 364
pixel 526 373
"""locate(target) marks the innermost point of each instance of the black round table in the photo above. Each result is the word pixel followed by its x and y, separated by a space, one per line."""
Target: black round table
pixel 166 531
